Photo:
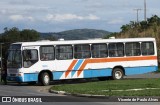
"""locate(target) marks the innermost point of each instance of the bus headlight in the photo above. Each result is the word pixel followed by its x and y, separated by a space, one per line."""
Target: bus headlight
pixel 20 74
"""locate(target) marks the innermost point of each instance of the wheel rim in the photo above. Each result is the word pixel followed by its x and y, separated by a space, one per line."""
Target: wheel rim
pixel 46 79
pixel 118 75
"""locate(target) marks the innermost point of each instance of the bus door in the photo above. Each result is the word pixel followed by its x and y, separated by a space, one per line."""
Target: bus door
pixel 30 58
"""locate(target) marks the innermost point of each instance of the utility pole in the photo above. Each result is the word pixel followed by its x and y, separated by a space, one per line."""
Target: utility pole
pixel 145 17
pixel 137 10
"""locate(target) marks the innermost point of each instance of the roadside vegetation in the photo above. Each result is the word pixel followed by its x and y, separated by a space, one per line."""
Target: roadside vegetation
pixel 148 28
pixel 132 87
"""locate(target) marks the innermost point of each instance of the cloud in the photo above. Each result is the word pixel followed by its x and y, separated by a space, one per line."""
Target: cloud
pixel 16 17
pixel 3 11
pixel 21 18
pixel 99 14
pixel 64 17
pixel 30 18
pixel 116 21
pixel 19 2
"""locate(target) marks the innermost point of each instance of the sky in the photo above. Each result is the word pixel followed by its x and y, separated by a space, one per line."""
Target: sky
pixel 62 15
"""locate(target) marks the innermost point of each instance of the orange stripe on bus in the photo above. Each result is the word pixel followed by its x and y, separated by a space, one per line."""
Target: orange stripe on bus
pixel 102 60
pixel 70 67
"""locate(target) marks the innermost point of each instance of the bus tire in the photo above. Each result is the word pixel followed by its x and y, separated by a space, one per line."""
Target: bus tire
pixel 117 74
pixel 44 79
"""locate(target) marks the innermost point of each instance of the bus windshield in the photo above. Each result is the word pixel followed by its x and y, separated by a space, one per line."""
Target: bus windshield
pixel 14 59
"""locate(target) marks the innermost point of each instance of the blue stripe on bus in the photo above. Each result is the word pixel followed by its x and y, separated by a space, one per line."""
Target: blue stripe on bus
pixel 57 75
pixel 140 70
pixel 76 67
pixel 30 77
pixel 97 73
pixel 108 72
pixel 128 71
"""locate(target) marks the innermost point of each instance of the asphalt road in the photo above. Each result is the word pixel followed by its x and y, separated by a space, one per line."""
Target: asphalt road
pixel 14 89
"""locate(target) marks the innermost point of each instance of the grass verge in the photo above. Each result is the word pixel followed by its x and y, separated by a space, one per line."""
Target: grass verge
pixel 112 87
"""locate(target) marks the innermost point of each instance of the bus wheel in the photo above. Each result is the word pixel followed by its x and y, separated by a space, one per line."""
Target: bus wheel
pixel 44 79
pixel 117 74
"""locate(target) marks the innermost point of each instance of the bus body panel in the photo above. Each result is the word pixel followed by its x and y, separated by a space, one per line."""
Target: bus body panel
pixel 105 69
pixel 84 68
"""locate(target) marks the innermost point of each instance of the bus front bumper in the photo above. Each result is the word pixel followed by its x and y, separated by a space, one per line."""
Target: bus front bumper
pixel 16 78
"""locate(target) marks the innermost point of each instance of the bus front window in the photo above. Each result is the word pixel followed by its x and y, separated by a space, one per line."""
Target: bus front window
pixel 14 59
pixel 30 57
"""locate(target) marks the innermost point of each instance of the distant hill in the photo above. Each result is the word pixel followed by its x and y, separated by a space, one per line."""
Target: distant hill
pixel 77 34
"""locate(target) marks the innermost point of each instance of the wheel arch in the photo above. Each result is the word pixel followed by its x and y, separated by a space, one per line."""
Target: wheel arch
pixel 121 67
pixel 48 71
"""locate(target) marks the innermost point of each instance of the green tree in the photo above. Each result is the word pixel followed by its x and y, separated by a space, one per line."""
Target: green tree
pixel 11 35
pixel 15 35
pixel 154 20
pixel 29 35
pixel 125 28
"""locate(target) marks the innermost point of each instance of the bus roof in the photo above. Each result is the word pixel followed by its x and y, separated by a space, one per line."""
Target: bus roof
pixel 85 41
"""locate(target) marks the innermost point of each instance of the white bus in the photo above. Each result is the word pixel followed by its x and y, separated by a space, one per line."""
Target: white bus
pixel 57 60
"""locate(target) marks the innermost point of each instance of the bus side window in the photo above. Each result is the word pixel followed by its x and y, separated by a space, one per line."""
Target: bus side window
pixel 147 48
pixel 64 52
pixel 47 53
pixel 116 49
pixel 132 49
pixel 44 57
pixel 82 51
pixel 99 50
pixel 27 64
